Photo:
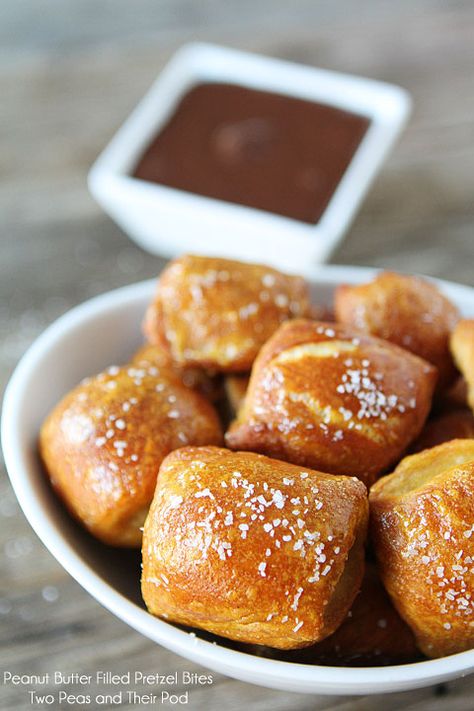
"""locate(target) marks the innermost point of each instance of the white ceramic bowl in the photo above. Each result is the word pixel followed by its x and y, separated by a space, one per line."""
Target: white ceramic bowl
pixel 168 221
pixel 98 333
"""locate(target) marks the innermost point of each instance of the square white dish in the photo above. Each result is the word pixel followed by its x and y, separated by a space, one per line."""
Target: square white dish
pixel 56 362
pixel 164 220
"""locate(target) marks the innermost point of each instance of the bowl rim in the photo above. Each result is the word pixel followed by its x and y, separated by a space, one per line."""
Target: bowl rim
pixel 240 665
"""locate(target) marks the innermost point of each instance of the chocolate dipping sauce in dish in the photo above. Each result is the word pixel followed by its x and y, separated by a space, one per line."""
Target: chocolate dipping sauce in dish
pixel 269 151
pixel 247 157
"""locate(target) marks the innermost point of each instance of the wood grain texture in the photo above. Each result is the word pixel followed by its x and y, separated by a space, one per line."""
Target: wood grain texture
pixel 69 75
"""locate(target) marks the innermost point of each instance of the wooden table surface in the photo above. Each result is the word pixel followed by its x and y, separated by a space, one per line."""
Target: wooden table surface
pixel 69 74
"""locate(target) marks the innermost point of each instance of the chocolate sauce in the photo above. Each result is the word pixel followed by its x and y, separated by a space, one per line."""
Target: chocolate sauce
pixel 255 148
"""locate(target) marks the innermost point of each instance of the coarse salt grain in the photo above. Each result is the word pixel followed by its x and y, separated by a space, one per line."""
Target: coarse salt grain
pixel 243 528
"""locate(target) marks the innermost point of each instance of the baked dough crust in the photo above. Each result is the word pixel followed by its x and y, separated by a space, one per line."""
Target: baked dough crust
pixel 104 442
pixel 217 313
pixel 251 548
pixel 373 634
pixel 458 424
pixel 235 390
pixel 334 399
pixel 406 310
pixel 206 382
pixel 454 398
pixel 422 520
pixel 462 347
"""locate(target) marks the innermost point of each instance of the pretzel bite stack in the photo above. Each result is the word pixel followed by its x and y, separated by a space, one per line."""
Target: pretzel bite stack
pixel 263 541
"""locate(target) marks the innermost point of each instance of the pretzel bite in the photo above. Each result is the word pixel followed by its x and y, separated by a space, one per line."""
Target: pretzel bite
pixel 216 313
pixel 251 548
pixel 330 398
pixel 373 633
pixel 204 381
pixel 405 310
pixel 458 424
pixel 462 347
pixel 454 398
pixel 235 389
pixel 104 442
pixel 423 532
pixel 320 312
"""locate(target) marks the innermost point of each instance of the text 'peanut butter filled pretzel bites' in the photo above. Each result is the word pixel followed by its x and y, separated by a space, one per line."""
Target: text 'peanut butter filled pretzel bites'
pixel 329 397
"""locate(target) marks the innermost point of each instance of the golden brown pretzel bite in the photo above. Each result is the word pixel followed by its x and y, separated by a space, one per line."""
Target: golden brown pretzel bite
pixel 252 548
pixel 454 398
pixel 406 310
pixel 331 398
pixel 457 424
pixel 373 634
pixel 204 381
pixel 104 442
pixel 423 531
pixel 462 347
pixel 235 389
pixel 217 313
